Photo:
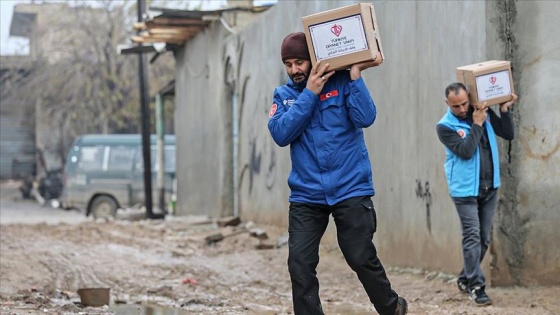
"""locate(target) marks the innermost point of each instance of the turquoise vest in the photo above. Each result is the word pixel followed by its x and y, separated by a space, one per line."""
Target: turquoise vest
pixel 463 176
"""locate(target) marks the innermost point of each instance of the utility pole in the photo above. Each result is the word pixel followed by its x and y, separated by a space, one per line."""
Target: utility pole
pixel 160 131
pixel 145 117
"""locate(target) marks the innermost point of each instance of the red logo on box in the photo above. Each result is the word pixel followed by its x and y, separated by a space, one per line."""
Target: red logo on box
pixel 493 80
pixel 336 30
pixel 330 94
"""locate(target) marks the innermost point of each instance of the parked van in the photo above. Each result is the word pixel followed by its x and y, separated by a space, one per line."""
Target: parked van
pixel 105 172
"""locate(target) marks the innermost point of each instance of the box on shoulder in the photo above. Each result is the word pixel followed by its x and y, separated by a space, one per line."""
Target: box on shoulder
pixel 343 36
pixel 489 81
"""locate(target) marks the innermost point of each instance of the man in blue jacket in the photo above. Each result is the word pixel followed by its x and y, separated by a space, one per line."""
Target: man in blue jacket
pixel 320 114
pixel 472 169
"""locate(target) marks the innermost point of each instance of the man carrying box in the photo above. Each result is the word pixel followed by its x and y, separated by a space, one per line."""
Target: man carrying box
pixel 472 169
pixel 320 114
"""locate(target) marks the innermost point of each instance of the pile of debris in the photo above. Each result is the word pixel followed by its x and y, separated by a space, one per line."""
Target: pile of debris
pixel 263 240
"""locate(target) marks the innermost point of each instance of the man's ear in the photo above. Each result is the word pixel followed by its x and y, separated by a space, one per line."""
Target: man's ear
pixel 446 101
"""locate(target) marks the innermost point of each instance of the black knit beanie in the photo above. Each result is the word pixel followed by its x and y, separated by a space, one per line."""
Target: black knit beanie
pixel 295 46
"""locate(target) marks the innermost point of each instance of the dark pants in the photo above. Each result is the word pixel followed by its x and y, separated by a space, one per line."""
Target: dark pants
pixel 355 221
pixel 476 215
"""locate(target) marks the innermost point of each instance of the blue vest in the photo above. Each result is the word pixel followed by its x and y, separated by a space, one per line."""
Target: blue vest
pixel 463 176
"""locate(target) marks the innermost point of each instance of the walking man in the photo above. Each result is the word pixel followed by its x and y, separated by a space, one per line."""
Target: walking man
pixel 472 169
pixel 320 114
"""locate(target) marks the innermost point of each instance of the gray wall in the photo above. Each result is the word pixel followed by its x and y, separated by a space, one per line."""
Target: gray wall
pixel 526 225
pixel 424 42
pixel 17 146
pixel 203 127
pixel 17 123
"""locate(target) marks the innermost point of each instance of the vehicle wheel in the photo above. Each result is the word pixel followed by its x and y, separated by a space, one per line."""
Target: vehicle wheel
pixel 103 207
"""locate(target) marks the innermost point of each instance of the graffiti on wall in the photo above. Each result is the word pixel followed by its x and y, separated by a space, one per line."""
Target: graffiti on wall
pixel 262 162
pixel 423 192
pixel 262 157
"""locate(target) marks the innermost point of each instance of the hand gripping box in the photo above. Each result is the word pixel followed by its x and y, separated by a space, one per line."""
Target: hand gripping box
pixel 488 81
pixel 343 36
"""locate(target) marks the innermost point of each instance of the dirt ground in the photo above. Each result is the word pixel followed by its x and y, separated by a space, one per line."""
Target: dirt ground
pixel 167 267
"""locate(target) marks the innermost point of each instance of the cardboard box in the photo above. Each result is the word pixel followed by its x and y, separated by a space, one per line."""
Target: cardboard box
pixel 343 36
pixel 488 81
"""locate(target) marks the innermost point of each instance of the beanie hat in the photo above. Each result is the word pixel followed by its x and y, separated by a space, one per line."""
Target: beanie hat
pixel 295 46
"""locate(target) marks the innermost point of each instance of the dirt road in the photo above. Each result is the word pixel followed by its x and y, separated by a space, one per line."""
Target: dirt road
pixel 167 267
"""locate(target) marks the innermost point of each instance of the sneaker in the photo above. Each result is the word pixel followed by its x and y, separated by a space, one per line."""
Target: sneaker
pixel 480 297
pixel 402 306
pixel 462 285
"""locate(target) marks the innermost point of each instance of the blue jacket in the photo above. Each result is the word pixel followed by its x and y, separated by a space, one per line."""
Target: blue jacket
pixel 463 175
pixel 330 161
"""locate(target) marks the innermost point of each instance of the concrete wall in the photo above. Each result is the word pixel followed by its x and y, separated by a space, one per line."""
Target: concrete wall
pixel 17 122
pixel 527 220
pixel 424 41
pixel 203 127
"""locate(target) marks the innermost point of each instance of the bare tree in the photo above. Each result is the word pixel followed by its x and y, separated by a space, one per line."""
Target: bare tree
pixel 79 83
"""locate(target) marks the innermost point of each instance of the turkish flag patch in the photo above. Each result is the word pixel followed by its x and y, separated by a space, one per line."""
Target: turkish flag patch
pixel 273 109
pixel 330 94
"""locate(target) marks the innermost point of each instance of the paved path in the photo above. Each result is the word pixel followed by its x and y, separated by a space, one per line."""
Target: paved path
pixel 14 209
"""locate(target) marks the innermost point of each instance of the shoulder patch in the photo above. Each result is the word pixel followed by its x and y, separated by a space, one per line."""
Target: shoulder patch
pixel 273 109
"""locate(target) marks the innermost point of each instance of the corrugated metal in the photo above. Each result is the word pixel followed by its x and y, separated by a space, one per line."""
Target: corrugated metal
pixel 17 148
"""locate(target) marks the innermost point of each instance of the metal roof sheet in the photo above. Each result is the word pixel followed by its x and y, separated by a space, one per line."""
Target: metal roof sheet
pixel 173 28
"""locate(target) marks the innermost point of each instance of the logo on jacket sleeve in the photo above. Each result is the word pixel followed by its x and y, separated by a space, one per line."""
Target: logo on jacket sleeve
pixel 327 95
pixel 288 102
pixel 273 109
pixel 461 133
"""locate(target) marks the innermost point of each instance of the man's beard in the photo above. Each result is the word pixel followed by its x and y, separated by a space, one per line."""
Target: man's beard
pixel 299 77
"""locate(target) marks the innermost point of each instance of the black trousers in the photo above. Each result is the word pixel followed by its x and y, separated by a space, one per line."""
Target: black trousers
pixel 355 221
